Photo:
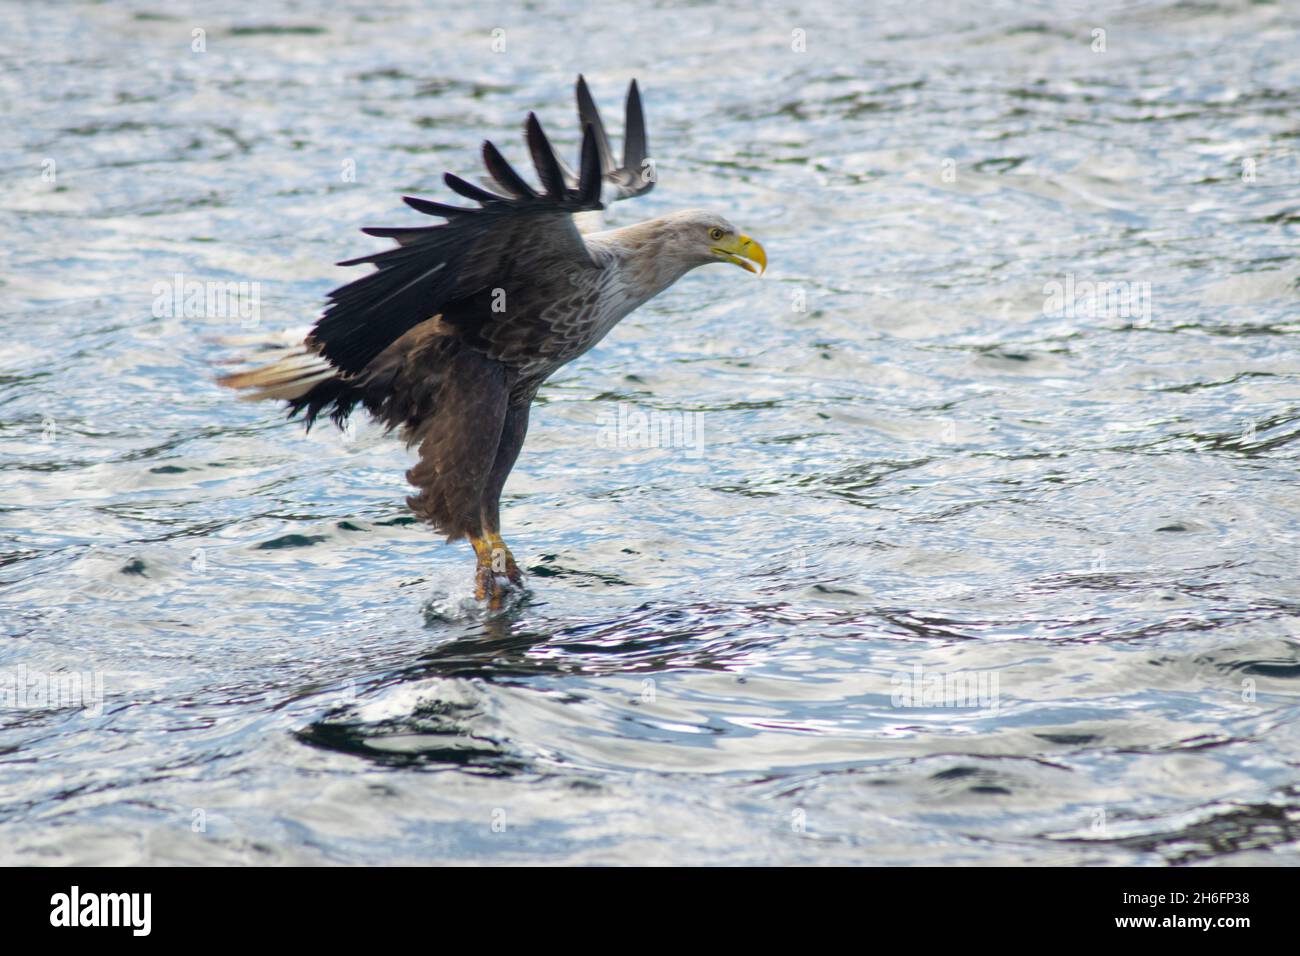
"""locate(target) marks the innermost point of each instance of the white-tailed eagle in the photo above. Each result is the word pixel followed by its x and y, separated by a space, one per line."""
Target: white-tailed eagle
pixel 452 334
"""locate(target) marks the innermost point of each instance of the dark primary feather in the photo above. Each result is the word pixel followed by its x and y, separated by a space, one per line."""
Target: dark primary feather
pixel 590 116
pixel 635 145
pixel 431 208
pixel 470 191
pixel 548 167
pixel 504 174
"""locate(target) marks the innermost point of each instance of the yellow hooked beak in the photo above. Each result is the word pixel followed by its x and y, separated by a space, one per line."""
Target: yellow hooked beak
pixel 744 252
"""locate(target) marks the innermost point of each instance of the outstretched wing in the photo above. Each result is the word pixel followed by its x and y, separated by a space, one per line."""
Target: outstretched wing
pixel 518 238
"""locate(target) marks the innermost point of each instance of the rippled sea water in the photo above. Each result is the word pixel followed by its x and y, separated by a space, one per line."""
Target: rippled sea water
pixel 913 465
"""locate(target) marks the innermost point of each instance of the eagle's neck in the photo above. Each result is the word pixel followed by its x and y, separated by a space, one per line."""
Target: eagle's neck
pixel 648 255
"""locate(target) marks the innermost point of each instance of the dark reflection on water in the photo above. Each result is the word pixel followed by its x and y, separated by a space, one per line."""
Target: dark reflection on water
pixel 430 737
pixel 1221 831
pixel 954 577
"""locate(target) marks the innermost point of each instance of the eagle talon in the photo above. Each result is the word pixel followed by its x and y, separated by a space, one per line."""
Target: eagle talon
pixel 513 574
pixel 502 561
pixel 496 571
pixel 488 587
pixel 512 571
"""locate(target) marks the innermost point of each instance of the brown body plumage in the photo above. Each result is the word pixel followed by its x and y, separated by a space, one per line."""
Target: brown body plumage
pixel 452 335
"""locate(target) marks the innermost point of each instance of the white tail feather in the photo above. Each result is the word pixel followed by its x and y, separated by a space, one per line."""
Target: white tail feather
pixel 267 338
pixel 291 376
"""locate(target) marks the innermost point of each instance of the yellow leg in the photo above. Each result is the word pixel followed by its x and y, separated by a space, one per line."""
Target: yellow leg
pixel 486 587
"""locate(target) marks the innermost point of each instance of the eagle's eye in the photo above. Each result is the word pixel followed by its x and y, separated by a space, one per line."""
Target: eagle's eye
pixel 715 233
